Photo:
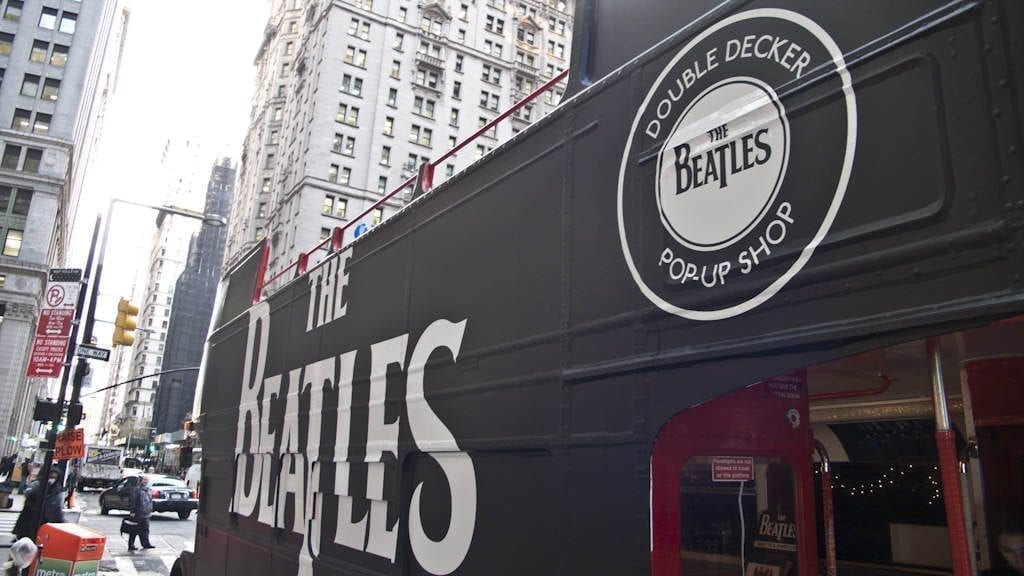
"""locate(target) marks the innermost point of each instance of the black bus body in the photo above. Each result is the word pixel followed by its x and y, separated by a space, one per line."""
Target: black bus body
pixel 608 347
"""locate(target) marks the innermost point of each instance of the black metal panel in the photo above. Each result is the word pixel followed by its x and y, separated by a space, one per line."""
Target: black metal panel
pixel 569 362
pixel 239 291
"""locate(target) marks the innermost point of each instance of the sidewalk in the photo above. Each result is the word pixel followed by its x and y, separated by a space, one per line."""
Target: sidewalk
pixel 8 516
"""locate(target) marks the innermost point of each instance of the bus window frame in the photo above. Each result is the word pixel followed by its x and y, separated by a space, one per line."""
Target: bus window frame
pixel 709 430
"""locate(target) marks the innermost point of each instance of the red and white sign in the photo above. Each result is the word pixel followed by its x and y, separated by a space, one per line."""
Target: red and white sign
pixel 55 322
pixel 53 331
pixel 70 445
pixel 732 469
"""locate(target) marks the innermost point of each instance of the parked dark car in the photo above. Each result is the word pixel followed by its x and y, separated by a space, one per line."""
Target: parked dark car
pixel 169 495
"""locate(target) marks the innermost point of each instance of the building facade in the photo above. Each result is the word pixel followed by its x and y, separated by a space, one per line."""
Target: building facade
pixel 182 167
pixel 352 96
pixel 57 65
pixel 194 293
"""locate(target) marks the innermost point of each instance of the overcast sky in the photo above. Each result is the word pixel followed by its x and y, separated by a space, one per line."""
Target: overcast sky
pixel 187 73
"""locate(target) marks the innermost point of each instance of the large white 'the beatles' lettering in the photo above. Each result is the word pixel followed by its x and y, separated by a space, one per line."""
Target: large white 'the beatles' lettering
pixel 433 437
pixel 258 449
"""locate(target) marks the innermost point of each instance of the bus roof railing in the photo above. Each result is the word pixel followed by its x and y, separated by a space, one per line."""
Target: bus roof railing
pixel 424 181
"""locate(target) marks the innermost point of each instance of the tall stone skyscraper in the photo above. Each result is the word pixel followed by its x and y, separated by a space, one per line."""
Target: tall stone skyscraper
pixel 184 166
pixel 194 293
pixel 58 65
pixel 352 96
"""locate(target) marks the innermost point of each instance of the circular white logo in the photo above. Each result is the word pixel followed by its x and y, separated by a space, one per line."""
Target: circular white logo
pixel 736 164
pixel 710 191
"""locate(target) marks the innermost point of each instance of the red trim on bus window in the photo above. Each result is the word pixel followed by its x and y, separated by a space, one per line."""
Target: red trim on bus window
pixel 756 421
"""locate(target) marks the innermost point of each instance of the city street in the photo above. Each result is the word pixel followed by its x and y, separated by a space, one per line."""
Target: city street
pixel 169 534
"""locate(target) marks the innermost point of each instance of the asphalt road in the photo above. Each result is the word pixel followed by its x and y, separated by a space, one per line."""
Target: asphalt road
pixel 169 534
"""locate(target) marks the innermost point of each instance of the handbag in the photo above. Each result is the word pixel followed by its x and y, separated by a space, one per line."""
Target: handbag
pixel 129 526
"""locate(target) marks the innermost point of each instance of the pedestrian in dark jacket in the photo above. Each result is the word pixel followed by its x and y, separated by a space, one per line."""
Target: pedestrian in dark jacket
pixel 26 471
pixel 25 526
pixel 141 508
pixel 71 486
pixel 7 466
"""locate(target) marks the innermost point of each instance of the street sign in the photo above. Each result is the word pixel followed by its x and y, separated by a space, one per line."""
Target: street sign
pixel 94 352
pixel 56 317
pixel 65 274
pixel 55 322
pixel 70 445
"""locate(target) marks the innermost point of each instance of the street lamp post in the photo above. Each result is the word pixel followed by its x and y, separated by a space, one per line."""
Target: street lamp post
pixel 82 366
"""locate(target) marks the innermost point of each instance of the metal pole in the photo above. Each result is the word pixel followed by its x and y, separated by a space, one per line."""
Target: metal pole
pixel 44 472
pixel 948 465
pixel 827 509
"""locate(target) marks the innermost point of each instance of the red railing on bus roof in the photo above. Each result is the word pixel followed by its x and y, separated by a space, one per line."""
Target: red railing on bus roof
pixel 426 177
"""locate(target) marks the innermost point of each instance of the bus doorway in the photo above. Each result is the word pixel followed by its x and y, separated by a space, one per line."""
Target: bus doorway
pixel 732 488
pixel 738 484
pixel 876 417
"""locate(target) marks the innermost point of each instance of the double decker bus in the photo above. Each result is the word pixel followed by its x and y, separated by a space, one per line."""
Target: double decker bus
pixel 748 302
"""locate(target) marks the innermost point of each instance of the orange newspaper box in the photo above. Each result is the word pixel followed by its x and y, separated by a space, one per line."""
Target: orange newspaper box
pixel 68 550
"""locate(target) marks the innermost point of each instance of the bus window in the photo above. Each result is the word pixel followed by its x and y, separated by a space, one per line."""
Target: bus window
pixel 729 478
pixel 737 511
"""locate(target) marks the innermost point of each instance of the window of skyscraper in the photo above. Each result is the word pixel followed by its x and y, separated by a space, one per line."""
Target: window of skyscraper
pixel 33 158
pixel 41 125
pixel 12 242
pixel 51 89
pixel 352 85
pixel 12 154
pixel 59 56
pixel 68 22
pixel 423 106
pixel 30 85
pixel 22 120
pixel 13 10
pixel 39 50
pixel 48 19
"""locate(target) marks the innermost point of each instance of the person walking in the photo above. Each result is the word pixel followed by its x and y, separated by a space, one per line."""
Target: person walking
pixel 140 509
pixel 26 471
pixel 25 526
pixel 71 486
pixel 7 466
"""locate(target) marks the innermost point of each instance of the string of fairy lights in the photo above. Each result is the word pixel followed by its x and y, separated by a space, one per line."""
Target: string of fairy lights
pixel 894 477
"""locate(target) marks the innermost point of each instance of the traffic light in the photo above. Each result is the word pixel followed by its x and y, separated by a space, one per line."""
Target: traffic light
pixel 75 414
pixel 46 411
pixel 124 326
